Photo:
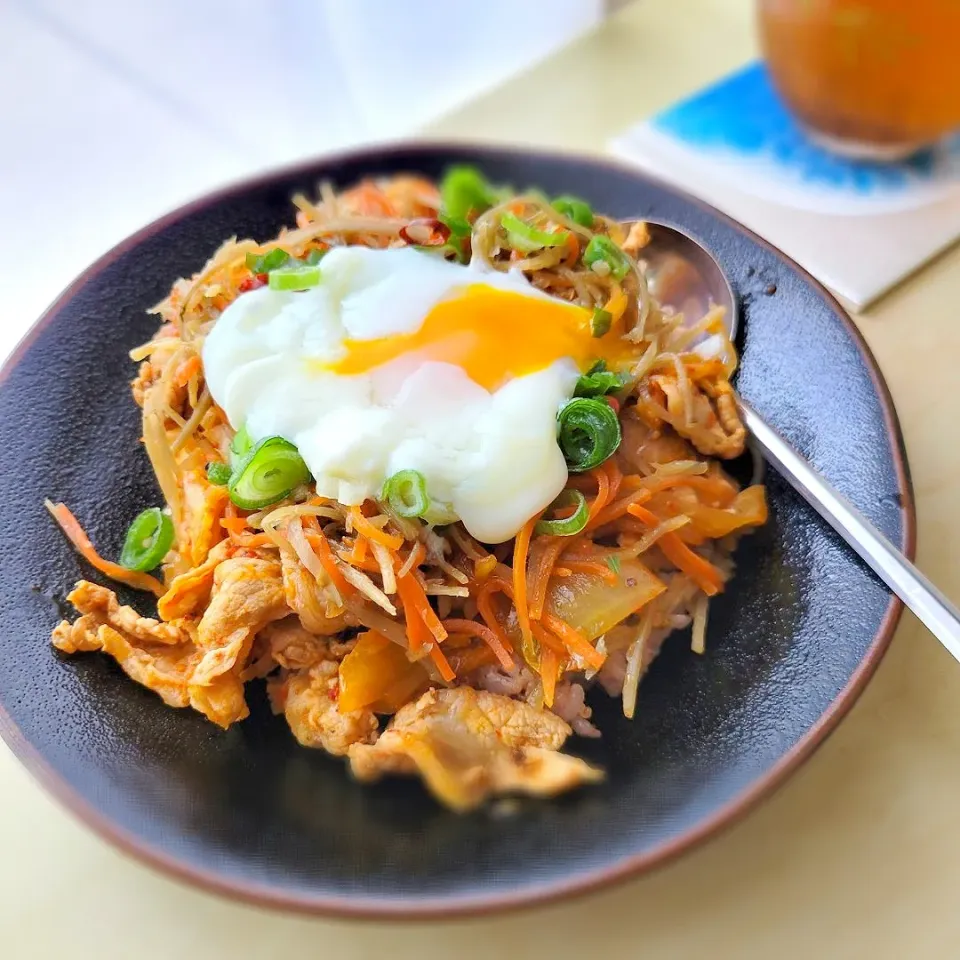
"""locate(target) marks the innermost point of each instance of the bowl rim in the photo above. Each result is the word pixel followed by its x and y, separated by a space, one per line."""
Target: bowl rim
pixel 542 892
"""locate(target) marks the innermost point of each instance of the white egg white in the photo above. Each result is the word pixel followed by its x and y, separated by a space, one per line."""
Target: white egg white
pixel 491 457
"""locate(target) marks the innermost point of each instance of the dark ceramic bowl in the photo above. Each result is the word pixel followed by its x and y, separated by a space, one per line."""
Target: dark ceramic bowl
pixel 251 814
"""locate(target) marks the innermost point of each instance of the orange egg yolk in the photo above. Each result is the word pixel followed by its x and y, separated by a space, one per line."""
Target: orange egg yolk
pixel 493 336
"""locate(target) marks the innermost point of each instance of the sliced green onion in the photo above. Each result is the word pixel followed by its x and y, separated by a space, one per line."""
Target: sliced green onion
pixel 314 257
pixel 241 443
pixel 598 381
pixel 219 474
pixel 599 322
pixel 568 526
pixel 464 193
pixel 265 262
pixel 525 238
pixel 299 277
pixel 268 473
pixel 574 209
pixel 406 493
pixel 613 562
pixel 457 226
pixel 589 433
pixel 458 241
pixel 601 249
pixel 148 540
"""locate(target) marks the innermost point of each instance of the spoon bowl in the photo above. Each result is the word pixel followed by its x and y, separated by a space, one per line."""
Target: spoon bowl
pixel 684 276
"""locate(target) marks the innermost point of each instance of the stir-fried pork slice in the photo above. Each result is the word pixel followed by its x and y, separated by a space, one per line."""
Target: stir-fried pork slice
pixel 469 745
pixel 150 371
pixel 161 668
pixel 247 594
pixel 161 656
pixel 285 643
pixel 203 509
pixel 304 598
pixel 294 648
pixel 98 605
pixel 189 592
pixel 308 699
pixel 712 424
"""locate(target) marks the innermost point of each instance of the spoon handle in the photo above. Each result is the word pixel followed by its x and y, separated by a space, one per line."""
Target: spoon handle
pixel 931 607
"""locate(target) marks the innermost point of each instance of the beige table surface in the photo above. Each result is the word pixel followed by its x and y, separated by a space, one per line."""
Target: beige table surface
pixel 858 856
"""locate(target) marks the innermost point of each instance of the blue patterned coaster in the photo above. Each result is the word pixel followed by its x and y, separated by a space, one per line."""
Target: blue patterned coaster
pixel 859 226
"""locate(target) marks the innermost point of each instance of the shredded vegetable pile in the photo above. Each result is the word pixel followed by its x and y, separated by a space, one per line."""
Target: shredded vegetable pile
pixel 480 655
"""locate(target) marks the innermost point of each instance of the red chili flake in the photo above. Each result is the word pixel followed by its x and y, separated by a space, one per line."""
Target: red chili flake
pixel 425 232
pixel 254 281
pixel 334 692
pixel 614 403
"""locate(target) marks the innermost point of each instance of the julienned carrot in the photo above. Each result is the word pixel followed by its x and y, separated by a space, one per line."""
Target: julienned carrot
pixel 607 477
pixel 703 573
pixel 423 630
pixel 485 608
pixel 614 475
pixel 474 629
pixel 76 535
pixel 321 547
pixel 234 525
pixel 574 641
pixel 559 634
pixel 547 639
pixel 592 567
pixel 441 663
pixel 550 549
pixel 359 552
pixel 414 598
pixel 362 525
pixel 358 555
pixel 419 637
pixel 603 492
pixel 618 508
pixel 520 550
pixel 549 669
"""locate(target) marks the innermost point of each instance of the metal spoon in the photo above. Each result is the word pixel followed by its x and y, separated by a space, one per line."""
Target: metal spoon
pixel 685 276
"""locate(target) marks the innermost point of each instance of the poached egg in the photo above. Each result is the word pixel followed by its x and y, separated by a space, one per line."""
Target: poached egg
pixel 399 360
